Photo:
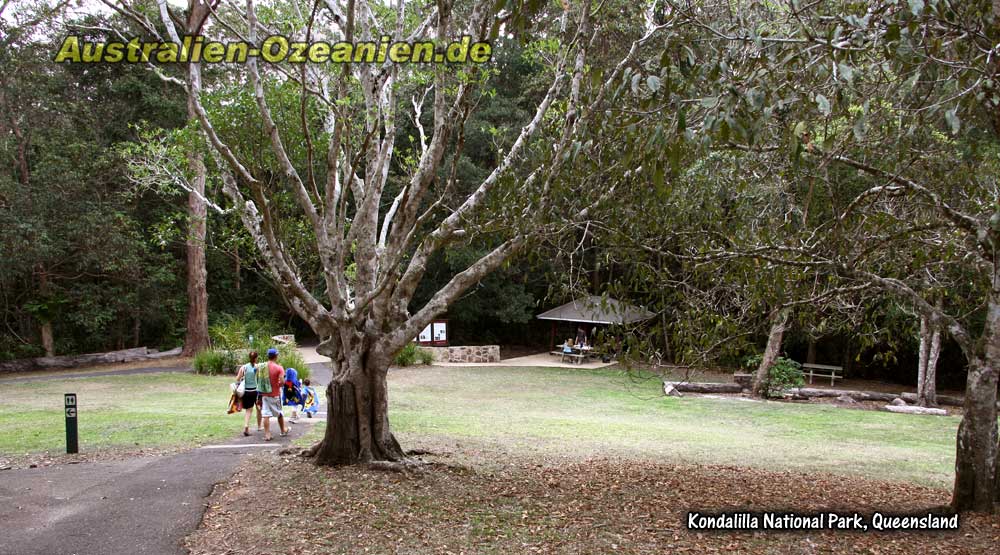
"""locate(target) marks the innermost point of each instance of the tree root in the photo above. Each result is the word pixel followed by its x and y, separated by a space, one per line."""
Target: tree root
pixel 311 452
pixel 404 466
pixel 417 452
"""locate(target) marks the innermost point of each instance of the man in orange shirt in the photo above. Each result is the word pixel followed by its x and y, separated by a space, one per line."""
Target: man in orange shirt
pixel 271 402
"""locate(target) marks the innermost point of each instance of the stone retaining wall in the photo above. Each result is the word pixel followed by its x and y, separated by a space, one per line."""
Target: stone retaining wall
pixel 478 353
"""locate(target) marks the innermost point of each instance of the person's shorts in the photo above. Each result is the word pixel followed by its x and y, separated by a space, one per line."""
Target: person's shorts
pixel 249 399
pixel 271 406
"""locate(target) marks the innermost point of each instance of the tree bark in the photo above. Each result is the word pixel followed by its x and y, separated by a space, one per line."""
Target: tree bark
pixel 196 337
pixel 975 460
pixel 976 445
pixel 930 373
pixel 45 324
pixel 923 354
pixel 693 387
pixel 930 349
pixel 779 320
pixel 357 429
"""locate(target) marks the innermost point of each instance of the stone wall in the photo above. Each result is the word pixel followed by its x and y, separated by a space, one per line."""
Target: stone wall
pixel 480 353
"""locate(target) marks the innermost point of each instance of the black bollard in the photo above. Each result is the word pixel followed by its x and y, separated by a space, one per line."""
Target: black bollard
pixel 72 442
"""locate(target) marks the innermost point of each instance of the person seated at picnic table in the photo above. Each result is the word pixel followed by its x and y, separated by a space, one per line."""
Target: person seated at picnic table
pixel 568 346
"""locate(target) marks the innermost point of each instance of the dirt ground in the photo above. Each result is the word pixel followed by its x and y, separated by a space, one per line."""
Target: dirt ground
pixel 479 498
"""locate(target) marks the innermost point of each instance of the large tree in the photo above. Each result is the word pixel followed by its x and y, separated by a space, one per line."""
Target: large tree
pixel 884 114
pixel 377 208
pixel 79 272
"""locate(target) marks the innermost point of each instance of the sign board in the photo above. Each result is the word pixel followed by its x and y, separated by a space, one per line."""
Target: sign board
pixel 434 334
pixel 440 332
pixel 72 439
pixel 425 335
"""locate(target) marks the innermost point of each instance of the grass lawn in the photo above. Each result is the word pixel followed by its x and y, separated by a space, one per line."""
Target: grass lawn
pixel 530 411
pixel 130 412
pixel 604 413
pixel 583 462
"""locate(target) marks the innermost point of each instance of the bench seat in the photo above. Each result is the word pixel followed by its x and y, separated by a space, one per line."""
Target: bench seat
pixel 823 371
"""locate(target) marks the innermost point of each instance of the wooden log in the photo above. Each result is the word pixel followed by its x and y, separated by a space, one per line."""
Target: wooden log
pixel 695 387
pixel 948 400
pixel 73 361
pixel 908 409
pixel 856 395
pixel 171 353
pixel 670 390
pixel 745 380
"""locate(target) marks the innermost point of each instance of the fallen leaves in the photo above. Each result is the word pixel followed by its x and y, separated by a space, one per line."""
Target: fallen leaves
pixel 515 505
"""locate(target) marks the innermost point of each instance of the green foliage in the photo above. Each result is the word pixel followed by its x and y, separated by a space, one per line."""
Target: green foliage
pixel 411 354
pixel 214 362
pixel 233 331
pixel 785 374
pixel 425 356
pixel 290 357
pixel 407 356
pixel 231 340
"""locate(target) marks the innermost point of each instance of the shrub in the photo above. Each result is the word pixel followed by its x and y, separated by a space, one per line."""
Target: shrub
pixel 425 356
pixel 213 362
pixel 290 357
pixel 784 375
pixel 407 356
pixel 232 332
pixel 231 340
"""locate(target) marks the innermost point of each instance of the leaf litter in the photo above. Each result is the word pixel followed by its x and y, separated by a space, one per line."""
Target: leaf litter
pixel 487 500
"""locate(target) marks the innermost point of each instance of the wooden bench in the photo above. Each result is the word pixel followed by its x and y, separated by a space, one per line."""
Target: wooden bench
pixel 823 371
pixel 573 357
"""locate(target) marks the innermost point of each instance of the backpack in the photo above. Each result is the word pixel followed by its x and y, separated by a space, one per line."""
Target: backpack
pixel 263 379
pixel 247 369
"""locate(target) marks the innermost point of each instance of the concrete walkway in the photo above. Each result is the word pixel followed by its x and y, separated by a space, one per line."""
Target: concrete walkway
pixel 140 505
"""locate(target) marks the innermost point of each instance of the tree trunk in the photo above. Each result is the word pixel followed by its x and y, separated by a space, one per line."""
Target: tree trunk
pixel 976 445
pixel 779 319
pixel 922 357
pixel 237 267
pixel 930 349
pixel 930 373
pixel 975 459
pixel 357 429
pixel 45 325
pixel 48 342
pixel 811 352
pixel 196 337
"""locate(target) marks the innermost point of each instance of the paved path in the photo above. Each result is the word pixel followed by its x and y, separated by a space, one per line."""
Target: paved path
pixel 141 505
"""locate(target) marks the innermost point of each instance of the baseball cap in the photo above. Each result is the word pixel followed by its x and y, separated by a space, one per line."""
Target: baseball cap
pixel 272 351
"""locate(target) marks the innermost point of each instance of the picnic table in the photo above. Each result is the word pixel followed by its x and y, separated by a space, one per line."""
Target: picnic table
pixel 823 371
pixel 574 354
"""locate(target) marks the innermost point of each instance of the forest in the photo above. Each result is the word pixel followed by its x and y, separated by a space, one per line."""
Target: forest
pixel 810 180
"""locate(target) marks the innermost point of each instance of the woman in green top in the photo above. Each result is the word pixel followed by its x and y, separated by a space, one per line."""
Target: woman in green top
pixel 248 375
